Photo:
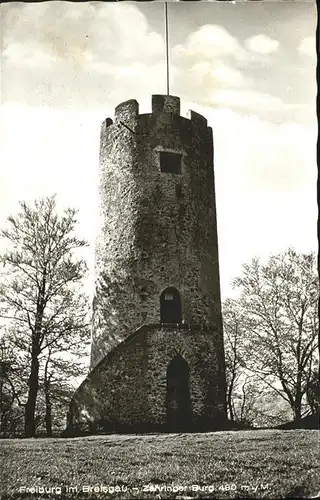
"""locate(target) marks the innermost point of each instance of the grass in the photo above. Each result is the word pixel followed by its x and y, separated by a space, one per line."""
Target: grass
pixel 235 464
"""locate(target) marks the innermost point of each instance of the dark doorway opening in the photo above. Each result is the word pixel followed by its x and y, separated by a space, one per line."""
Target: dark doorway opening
pixel 179 415
pixel 170 306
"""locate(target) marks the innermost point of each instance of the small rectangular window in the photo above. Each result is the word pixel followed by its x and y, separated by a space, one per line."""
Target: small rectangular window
pixel 170 163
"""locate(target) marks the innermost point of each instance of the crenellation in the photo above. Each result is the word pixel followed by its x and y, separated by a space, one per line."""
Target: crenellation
pixel 197 119
pixel 166 104
pixel 108 122
pixel 127 111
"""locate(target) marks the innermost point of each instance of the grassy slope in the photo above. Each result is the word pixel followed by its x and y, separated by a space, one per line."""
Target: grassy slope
pixel 243 464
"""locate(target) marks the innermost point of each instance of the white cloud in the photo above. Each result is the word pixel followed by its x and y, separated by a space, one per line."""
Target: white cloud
pixel 80 33
pixel 28 55
pixel 261 44
pixel 209 41
pixel 307 46
pixel 66 59
pixel 229 76
pixel 214 66
pixel 206 75
pixel 204 65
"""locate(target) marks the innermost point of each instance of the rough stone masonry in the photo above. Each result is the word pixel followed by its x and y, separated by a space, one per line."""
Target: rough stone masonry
pixel 157 357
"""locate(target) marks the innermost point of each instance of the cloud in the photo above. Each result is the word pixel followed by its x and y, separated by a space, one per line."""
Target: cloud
pixel 205 75
pixel 63 63
pixel 88 54
pixel 208 42
pixel 307 46
pixel 215 83
pixel 207 63
pixel 29 55
pixel 214 66
pixel 65 60
pixel 80 33
pixel 261 44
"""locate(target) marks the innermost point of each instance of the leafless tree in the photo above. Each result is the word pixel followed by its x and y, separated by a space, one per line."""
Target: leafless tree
pixel 41 290
pixel 279 316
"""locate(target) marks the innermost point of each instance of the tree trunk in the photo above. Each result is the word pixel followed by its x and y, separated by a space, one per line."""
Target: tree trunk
pixel 48 417
pixel 297 409
pixel 47 395
pixel 33 383
pixel 229 400
pixel 298 397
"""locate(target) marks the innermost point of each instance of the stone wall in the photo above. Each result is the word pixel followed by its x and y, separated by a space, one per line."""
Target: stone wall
pixel 156 229
pixel 127 390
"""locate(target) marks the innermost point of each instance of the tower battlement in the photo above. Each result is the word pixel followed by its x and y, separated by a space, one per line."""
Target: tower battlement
pixel 128 111
pixel 166 104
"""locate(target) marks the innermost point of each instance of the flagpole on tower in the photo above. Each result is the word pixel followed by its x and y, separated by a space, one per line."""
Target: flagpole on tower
pixel 166 42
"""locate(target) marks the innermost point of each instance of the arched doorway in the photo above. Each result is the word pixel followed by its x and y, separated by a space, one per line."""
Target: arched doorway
pixel 178 395
pixel 170 306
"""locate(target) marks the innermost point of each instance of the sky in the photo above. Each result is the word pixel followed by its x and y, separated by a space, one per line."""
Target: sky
pixel 248 67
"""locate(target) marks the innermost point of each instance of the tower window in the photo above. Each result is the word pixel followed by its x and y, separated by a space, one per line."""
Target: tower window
pixel 170 306
pixel 170 163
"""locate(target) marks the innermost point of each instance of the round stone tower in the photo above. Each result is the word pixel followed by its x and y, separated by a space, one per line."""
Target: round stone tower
pixel 157 249
pixel 157 359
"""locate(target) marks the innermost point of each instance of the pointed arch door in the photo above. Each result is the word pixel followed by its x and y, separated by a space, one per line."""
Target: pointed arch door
pixel 178 395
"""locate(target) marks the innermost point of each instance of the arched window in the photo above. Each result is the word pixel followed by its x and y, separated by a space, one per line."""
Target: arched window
pixel 170 306
pixel 178 395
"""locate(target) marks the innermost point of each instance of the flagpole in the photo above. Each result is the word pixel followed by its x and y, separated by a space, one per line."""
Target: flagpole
pixel 166 42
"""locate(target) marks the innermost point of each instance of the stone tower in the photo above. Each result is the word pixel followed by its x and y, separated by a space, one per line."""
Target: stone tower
pixel 157 359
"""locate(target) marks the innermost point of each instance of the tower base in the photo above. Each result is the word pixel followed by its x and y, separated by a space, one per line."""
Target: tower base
pixel 161 378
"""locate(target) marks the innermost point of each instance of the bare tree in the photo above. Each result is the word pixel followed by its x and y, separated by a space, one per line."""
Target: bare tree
pixel 279 304
pixel 41 288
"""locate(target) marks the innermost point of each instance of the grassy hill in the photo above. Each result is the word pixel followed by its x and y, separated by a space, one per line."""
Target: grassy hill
pixel 231 464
